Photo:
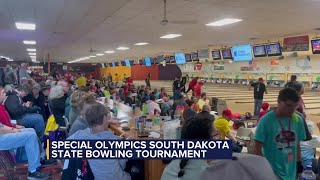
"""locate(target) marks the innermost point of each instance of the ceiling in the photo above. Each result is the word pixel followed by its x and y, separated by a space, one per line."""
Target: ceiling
pixel 67 29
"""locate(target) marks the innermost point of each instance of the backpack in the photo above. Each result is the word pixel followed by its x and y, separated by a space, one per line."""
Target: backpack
pixel 78 169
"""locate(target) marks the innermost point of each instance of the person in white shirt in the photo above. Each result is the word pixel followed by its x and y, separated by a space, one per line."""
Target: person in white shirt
pixel 152 105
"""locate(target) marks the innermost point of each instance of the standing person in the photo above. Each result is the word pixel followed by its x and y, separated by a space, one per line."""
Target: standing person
pixel 109 78
pixel 147 80
pixel 293 79
pixel 259 90
pixel 176 88
pixel 197 89
pixel 183 84
pixel 278 136
pixel 192 84
pixel 9 75
pixel 23 72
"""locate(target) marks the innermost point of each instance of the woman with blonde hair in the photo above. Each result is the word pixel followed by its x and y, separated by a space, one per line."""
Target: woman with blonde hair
pixel 75 105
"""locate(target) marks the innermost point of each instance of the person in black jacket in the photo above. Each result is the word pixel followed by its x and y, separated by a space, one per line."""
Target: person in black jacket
pixel 183 84
pixel 205 113
pixel 129 101
pixel 57 104
pixel 25 114
pixel 38 99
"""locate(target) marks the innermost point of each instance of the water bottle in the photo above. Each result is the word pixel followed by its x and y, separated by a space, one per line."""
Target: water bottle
pixel 308 174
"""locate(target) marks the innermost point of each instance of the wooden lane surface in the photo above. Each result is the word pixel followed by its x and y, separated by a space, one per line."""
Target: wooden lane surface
pixel 153 169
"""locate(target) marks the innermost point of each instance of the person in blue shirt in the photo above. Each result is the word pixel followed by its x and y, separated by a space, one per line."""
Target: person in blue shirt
pixel 278 136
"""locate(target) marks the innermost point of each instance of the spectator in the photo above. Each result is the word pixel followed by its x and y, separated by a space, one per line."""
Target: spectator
pixel 147 80
pixel 23 72
pixel 223 126
pixel 45 91
pixel 11 138
pixel 129 101
pixel 9 75
pixel 293 79
pixel 299 88
pixel 192 84
pixel 183 84
pixel 106 91
pixel 109 78
pixel 189 113
pixel 279 133
pixel 176 88
pixel 25 114
pixel 98 118
pixel 121 96
pixel 81 81
pixel 100 91
pixel 183 169
pixel 205 113
pixel 163 94
pixel 203 100
pixel 38 99
pixel 178 106
pixel 75 108
pixel 308 153
pixel 156 93
pixel 152 106
pixel 259 91
pixel 80 123
pixel 57 104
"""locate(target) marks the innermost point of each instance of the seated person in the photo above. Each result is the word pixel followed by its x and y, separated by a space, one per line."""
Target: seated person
pixel 57 104
pixel 189 113
pixel 223 126
pixel 264 110
pixel 75 99
pixel 105 91
pixel 205 113
pixel 99 91
pixel 152 106
pixel 194 128
pixel 178 106
pixel 129 101
pixel 25 114
pixel 120 95
pixel 203 100
pixel 80 123
pixel 11 138
pixel 98 118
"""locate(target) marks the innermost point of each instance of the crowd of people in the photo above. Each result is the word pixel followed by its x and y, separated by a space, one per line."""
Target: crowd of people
pixel 34 110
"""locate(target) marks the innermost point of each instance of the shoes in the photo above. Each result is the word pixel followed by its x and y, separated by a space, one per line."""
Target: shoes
pixel 37 175
pixel 46 163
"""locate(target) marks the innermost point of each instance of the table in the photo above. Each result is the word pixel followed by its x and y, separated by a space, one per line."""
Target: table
pixel 153 168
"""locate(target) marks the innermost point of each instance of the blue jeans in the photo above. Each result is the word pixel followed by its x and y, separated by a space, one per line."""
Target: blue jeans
pixel 34 121
pixel 27 138
pixel 257 106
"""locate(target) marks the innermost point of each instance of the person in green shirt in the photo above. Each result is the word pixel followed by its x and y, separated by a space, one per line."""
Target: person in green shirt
pixel 278 136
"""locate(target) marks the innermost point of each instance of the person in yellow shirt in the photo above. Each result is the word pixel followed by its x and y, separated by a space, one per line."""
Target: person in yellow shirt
pixel 223 126
pixel 203 100
pixel 81 81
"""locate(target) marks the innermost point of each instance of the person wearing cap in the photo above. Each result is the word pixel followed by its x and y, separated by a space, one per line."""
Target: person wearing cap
pixel 264 108
pixel 223 126
pixel 203 100
pixel 259 90
pixel 278 136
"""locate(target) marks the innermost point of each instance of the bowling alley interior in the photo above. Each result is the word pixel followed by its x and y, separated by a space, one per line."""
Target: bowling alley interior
pixel 247 71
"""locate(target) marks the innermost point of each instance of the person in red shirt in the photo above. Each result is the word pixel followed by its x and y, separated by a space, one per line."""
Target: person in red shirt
pixel 192 84
pixel 265 108
pixel 125 89
pixel 129 81
pixel 197 89
pixel 4 115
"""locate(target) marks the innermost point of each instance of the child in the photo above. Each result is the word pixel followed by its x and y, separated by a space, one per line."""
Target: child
pixel 265 108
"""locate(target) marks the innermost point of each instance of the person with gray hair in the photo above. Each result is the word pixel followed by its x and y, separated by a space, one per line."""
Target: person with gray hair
pixel 57 103
pixel 9 75
pixel 205 113
pixel 23 72
pixel 99 118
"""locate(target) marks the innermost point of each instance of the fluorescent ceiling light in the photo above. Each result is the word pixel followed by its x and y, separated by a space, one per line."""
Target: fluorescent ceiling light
pixel 92 56
pixel 223 22
pixel 32 54
pixel 109 52
pixel 31 50
pixel 25 26
pixel 80 59
pixel 141 44
pixel 33 57
pixel 123 48
pixel 10 59
pixel 29 42
pixel 99 54
pixel 170 36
